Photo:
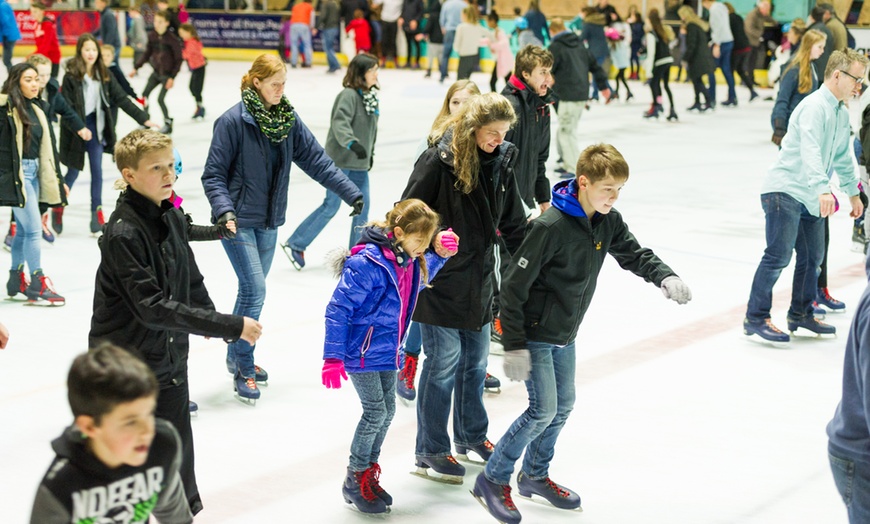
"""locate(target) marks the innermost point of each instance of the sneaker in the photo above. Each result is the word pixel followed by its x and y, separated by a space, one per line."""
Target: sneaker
pixel 495 332
pixel 405 382
pixel 41 289
pixel 17 282
pixel 496 498
pixel 57 219
pixel 825 299
pixel 811 324
pixel 559 496
pixel 97 220
pixel 297 258
pixel 47 235
pixel 374 477
pixel 765 330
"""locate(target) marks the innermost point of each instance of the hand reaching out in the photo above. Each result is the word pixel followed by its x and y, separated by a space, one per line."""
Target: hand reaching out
pixel 251 331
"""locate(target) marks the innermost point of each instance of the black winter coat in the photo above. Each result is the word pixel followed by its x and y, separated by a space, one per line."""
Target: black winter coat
pixel 572 63
pixel 412 10
pixel 461 293
pixel 57 105
pixel 72 147
pixel 163 52
pixel 149 293
pixel 531 135
pixel 433 23
pixel 698 56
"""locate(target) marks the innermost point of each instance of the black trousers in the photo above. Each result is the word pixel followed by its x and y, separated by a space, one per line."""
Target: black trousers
pixel 740 63
pixel 494 78
pixel 173 406
pixel 466 66
pixel 153 81
pixel 197 78
pixel 390 30
pixel 413 47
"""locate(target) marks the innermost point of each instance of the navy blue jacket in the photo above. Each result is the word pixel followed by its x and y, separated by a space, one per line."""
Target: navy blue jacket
pixel 238 175
pixel 788 98
pixel 362 318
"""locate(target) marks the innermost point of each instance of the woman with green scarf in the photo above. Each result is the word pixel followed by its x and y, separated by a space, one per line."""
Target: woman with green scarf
pixel 246 178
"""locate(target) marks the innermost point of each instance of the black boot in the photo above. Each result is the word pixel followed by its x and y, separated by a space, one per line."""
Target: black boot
pixel 673 115
pixel 653 111
pixel 167 127
pixel 357 490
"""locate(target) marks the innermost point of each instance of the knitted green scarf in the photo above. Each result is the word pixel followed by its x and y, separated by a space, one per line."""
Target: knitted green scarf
pixel 276 122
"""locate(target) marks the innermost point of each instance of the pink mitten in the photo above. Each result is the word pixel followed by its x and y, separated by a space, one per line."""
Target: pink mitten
pixel 449 241
pixel 333 372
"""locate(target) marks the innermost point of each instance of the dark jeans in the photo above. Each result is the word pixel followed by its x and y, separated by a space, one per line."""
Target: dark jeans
pixel 197 79
pixel 173 406
pixel 377 393
pixel 8 47
pixel 413 47
pixel 466 66
pixel 94 148
pixel 740 64
pixel 823 267
pixel 153 81
pixel 329 36
pixel 852 478
pixel 388 43
pixel 789 226
pixel 723 63
pixel 449 36
pixel 414 340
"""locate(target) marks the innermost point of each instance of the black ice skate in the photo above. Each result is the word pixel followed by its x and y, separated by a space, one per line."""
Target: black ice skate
pixel 193 407
pixel 261 376
pixel 812 324
pixel 859 239
pixel 559 496
pixel 16 286
pixel 483 450
pixel 405 379
pixel 246 389
pixel 381 493
pixel 41 292
pixel 449 471
pixel 497 500
pixel 357 490
pixel 491 384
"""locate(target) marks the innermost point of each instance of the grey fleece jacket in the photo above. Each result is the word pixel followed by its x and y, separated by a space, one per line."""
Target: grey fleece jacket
pixel 351 123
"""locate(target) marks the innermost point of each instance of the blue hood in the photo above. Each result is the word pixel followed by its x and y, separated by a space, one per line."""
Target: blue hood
pixel 565 198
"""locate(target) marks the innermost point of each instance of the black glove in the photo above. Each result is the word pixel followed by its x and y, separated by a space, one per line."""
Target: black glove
pixel 357 205
pixel 222 224
pixel 358 150
pixel 777 136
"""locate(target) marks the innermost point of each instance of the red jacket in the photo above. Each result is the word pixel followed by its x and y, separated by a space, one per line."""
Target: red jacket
pixel 362 32
pixel 46 40
pixel 192 52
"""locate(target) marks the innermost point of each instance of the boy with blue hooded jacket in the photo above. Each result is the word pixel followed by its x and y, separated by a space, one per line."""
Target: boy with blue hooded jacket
pixel 367 320
pixel 545 293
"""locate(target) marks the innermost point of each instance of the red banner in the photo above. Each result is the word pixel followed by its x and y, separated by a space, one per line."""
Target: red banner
pixel 70 25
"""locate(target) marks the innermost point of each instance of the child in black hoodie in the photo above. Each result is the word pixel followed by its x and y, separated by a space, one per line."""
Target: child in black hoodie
pixel 116 462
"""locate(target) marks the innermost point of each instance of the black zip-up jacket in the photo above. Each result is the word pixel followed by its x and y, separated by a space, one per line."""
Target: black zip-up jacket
pixel 531 135
pixel 72 146
pixel 149 293
pixel 163 52
pixel 57 105
pixel 550 281
pixel 572 63
pixel 433 23
pixel 461 293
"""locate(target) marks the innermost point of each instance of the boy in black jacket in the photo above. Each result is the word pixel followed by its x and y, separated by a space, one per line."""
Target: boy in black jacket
pixel 116 462
pixel 149 293
pixel 164 54
pixel 544 296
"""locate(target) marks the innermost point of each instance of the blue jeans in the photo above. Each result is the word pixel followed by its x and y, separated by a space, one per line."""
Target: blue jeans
pixel 551 400
pixel 724 63
pixel 95 159
pixel 788 226
pixel 414 340
pixel 317 220
pixel 25 243
pixel 328 37
pixel 852 479
pixel 449 36
pixel 377 392
pixel 250 254
pixel 455 365
pixel 300 36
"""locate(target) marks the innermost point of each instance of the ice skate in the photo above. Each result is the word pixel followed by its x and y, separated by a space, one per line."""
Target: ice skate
pixel 491 384
pixel 40 292
pixel 496 498
pixel 357 490
pixel 47 235
pixel 297 258
pixel 374 481
pixel 672 117
pixel 246 389
pixel 167 127
pixel 57 219
pixel 495 331
pixel 556 495
pixel 193 407
pixel 818 312
pixel 405 379
pixel 261 376
pixel 825 299
pixel 449 471
pixel 813 325
pixel 97 220
pixel 199 113
pixel 765 332
pixel 859 239
pixel 16 286
pixel 483 450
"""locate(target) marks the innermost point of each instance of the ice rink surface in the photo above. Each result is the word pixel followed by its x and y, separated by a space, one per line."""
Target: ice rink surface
pixel 679 418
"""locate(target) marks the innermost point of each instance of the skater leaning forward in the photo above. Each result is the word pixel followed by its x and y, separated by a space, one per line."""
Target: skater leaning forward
pixel 467 178
pixel 559 261
pixel 796 198
pixel 366 321
pixel 142 306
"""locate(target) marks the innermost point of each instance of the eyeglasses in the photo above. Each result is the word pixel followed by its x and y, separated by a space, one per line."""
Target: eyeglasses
pixel 853 77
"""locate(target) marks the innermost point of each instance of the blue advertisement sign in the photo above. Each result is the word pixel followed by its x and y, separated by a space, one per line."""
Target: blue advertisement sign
pixel 248 31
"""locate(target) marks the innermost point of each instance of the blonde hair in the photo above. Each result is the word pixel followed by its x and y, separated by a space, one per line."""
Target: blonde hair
pixel 803 60
pixel 477 112
pixel 264 66
pixel 38 59
pixel 130 149
pixel 844 60
pixel 458 86
pixel 600 160
pixel 471 14
pixel 688 15
pixel 415 217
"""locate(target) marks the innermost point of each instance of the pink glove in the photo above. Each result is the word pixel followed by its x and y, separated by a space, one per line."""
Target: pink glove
pixel 449 241
pixel 333 372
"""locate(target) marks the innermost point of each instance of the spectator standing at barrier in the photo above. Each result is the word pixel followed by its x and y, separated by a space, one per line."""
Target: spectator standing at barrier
pixel 9 33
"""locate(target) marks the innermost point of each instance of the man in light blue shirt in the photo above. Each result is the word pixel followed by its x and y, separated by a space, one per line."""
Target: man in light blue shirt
pixel 796 197
pixel 723 46
pixel 451 16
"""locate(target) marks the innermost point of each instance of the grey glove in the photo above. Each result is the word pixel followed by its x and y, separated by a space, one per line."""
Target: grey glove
pixel 518 364
pixel 677 290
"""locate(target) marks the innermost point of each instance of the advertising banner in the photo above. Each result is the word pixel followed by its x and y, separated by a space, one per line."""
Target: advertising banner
pixel 248 31
pixel 70 25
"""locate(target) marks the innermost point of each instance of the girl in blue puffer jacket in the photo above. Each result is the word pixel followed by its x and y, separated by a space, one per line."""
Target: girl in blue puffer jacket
pixel 367 320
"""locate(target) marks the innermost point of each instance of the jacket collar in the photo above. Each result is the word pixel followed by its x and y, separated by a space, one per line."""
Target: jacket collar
pixel 143 206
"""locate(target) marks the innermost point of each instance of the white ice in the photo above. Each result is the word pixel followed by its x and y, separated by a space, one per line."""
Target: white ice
pixel 679 418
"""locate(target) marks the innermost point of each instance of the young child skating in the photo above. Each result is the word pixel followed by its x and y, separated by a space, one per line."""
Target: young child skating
pixel 362 32
pixel 196 61
pixel 366 321
pixel 556 268
pixel 163 52
pixel 142 304
pixel 115 446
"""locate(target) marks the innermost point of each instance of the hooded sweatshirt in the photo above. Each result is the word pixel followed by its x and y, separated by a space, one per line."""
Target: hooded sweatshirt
pixel 80 489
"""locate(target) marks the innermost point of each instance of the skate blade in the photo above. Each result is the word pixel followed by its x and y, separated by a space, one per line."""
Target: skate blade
pixel 492 391
pixel 755 339
pixel 537 499
pixel 444 479
pixel 45 303
pixel 263 383
pixel 482 503
pixel 471 460
pixel 352 507
pixel 834 311
pixel 247 401
pixel 404 401
pixel 16 298
pixel 802 332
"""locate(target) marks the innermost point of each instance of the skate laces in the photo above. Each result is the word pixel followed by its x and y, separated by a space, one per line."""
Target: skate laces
pixel 451 459
pixel 488 445
pixel 496 323
pixel 828 296
pixel 251 383
pixel 508 501
pixel 771 326
pixel 410 371
pixel 564 493
pixel 258 369
pixel 366 479
pixel 375 470
pixel 47 285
